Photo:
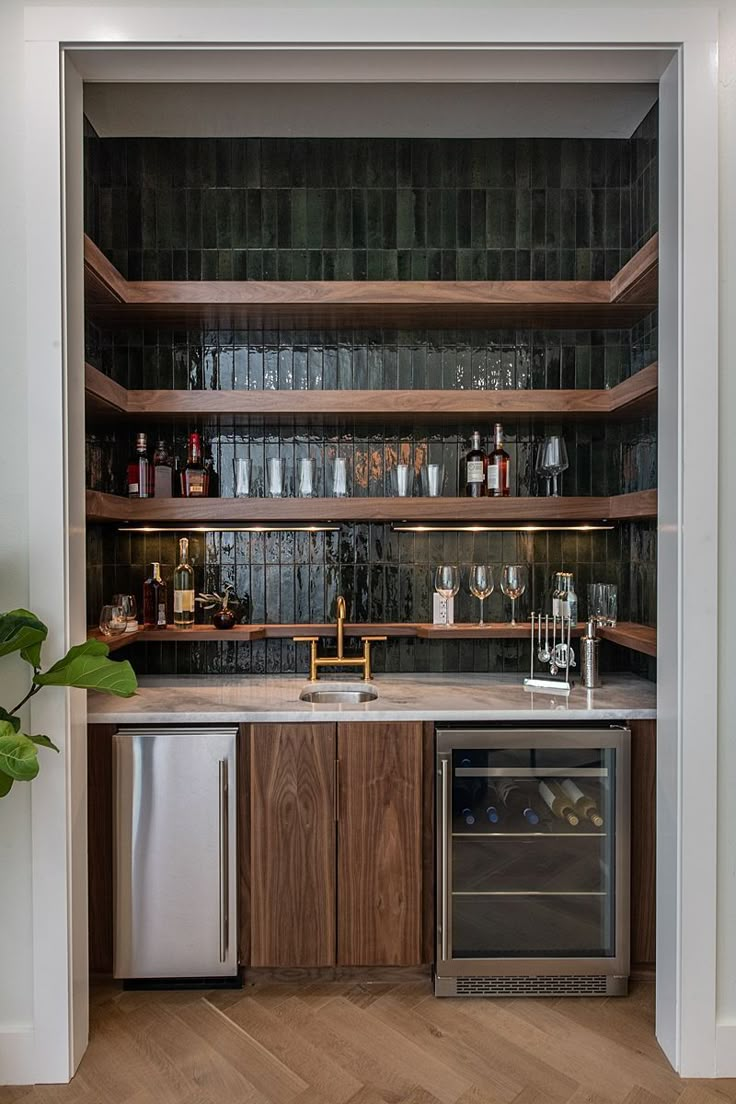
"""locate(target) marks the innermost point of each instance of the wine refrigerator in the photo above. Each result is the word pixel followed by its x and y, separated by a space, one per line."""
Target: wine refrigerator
pixel 532 861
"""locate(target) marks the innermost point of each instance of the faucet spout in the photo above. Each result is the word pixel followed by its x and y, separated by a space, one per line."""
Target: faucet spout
pixel 341 614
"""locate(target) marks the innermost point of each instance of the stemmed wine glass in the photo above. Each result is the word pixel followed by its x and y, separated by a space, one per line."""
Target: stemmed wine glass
pixel 513 584
pixel 447 581
pixel 481 584
pixel 552 461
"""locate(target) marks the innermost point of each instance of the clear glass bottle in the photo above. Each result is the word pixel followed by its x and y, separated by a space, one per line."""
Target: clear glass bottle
pixel 194 481
pixel 499 463
pixel 163 471
pixel 139 481
pixel 475 469
pixel 154 599
pixel 183 588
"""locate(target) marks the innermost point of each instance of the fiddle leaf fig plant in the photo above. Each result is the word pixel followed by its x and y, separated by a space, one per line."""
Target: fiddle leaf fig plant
pixel 87 666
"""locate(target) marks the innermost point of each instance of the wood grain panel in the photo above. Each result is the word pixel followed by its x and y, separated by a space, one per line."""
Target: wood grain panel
pixel 636 395
pixel 243 827
pixel 292 845
pixel 643 841
pixel 639 638
pixel 103 396
pixel 638 280
pixel 380 860
pixel 429 772
pixel 99 846
pixel 282 511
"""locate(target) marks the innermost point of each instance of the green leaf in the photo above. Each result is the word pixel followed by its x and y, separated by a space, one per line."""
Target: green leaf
pixel 87 666
pixel 18 757
pixel 5 716
pixel 43 741
pixel 5 783
pixel 21 631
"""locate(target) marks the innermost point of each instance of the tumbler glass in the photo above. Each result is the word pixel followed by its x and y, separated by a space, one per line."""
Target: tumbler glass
pixel 275 477
pixel 243 469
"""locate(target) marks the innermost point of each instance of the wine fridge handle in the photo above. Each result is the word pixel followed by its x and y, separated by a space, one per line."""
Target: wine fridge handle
pixel 445 837
pixel 224 861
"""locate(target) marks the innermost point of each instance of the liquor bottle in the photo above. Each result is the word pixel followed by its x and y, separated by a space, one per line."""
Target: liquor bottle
pixel 514 800
pixel 499 463
pixel 475 469
pixel 154 599
pixel 553 796
pixel 163 472
pixel 183 588
pixel 139 480
pixel 584 805
pixel 176 477
pixel 194 482
pixel 213 479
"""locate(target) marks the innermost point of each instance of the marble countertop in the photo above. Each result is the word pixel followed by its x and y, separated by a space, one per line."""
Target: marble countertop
pixel 196 699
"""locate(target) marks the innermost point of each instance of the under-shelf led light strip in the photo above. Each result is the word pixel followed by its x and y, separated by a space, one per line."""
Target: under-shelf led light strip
pixel 228 528
pixel 441 528
pixel 396 527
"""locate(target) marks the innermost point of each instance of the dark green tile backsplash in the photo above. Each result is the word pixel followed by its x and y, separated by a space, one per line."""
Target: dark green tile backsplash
pixel 377 209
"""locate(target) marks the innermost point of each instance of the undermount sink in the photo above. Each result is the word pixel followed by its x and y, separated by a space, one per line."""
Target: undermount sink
pixel 338 695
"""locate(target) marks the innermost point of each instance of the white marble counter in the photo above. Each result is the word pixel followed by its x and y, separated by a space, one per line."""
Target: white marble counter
pixel 190 699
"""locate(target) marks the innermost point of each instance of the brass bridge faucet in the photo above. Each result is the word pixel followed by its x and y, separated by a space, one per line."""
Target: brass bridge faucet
pixel 339 660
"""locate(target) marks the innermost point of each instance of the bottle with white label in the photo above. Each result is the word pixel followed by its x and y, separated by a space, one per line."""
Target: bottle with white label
pixel 498 466
pixel 183 588
pixel 476 463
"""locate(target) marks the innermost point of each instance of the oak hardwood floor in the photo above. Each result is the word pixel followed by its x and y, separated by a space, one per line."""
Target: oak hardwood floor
pixel 359 1042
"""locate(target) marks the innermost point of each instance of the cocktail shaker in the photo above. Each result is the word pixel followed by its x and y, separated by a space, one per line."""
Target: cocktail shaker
pixel 589 657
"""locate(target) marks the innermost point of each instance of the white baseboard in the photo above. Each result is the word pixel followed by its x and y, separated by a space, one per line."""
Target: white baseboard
pixel 726 1050
pixel 16 1056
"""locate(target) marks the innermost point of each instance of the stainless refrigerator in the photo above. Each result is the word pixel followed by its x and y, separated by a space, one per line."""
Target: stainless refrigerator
pixel 175 873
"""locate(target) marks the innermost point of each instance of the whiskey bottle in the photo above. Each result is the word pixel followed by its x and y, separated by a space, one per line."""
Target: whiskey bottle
pixel 163 471
pixel 553 796
pixel 183 588
pixel 475 469
pixel 498 466
pixel 194 481
pixel 584 805
pixel 139 478
pixel 154 599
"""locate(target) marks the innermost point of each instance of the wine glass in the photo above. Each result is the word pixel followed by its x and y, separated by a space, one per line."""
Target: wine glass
pixel 481 584
pixel 513 584
pixel 113 620
pixel 447 581
pixel 554 460
pixel 130 608
pixel 539 464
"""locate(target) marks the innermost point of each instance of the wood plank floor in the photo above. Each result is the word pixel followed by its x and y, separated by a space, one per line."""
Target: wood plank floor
pixel 370 1043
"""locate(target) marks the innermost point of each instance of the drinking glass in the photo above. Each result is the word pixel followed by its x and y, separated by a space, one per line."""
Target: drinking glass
pixel 433 480
pixel 481 584
pixel 401 480
pixel 603 603
pixel 554 460
pixel 513 584
pixel 539 465
pixel 130 609
pixel 447 581
pixel 113 621
pixel 275 477
pixel 243 469
pixel 340 477
pixel 306 477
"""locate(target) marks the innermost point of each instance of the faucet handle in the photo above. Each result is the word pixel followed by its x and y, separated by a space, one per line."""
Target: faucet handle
pixel 374 638
pixel 305 639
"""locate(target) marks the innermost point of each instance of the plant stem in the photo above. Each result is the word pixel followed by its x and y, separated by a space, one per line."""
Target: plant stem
pixel 31 692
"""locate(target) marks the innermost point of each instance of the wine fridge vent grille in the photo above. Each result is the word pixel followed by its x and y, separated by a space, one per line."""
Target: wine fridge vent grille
pixel 579 985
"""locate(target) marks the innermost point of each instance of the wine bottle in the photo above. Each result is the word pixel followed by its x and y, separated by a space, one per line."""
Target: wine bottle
pixel 163 471
pixel 194 481
pixel 553 796
pixel 139 479
pixel 514 800
pixel 584 805
pixel 154 599
pixel 499 463
pixel 475 469
pixel 468 816
pixel 492 814
pixel 183 588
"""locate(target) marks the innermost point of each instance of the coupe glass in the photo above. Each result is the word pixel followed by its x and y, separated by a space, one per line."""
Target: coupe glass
pixel 481 584
pixel 513 584
pixel 130 608
pixel 113 621
pixel 554 460
pixel 447 581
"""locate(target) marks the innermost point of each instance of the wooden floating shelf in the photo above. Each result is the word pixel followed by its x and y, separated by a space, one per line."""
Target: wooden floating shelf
pixel 315 511
pixel 400 304
pixel 634 397
pixel 639 638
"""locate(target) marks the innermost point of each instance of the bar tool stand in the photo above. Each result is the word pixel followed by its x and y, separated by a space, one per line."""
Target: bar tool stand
pixel 558 659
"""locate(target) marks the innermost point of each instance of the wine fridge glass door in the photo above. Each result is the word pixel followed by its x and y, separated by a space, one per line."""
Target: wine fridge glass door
pixel 531 861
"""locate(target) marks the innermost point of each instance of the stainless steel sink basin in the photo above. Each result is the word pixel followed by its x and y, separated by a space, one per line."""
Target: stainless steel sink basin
pixel 338 695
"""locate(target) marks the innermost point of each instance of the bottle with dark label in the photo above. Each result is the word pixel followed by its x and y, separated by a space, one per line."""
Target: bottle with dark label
pixel 213 479
pixel 139 479
pixel 183 588
pixel 194 481
pixel 475 469
pixel 154 599
pixel 514 801
pixel 585 806
pixel 554 797
pixel 498 466
pixel 163 471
